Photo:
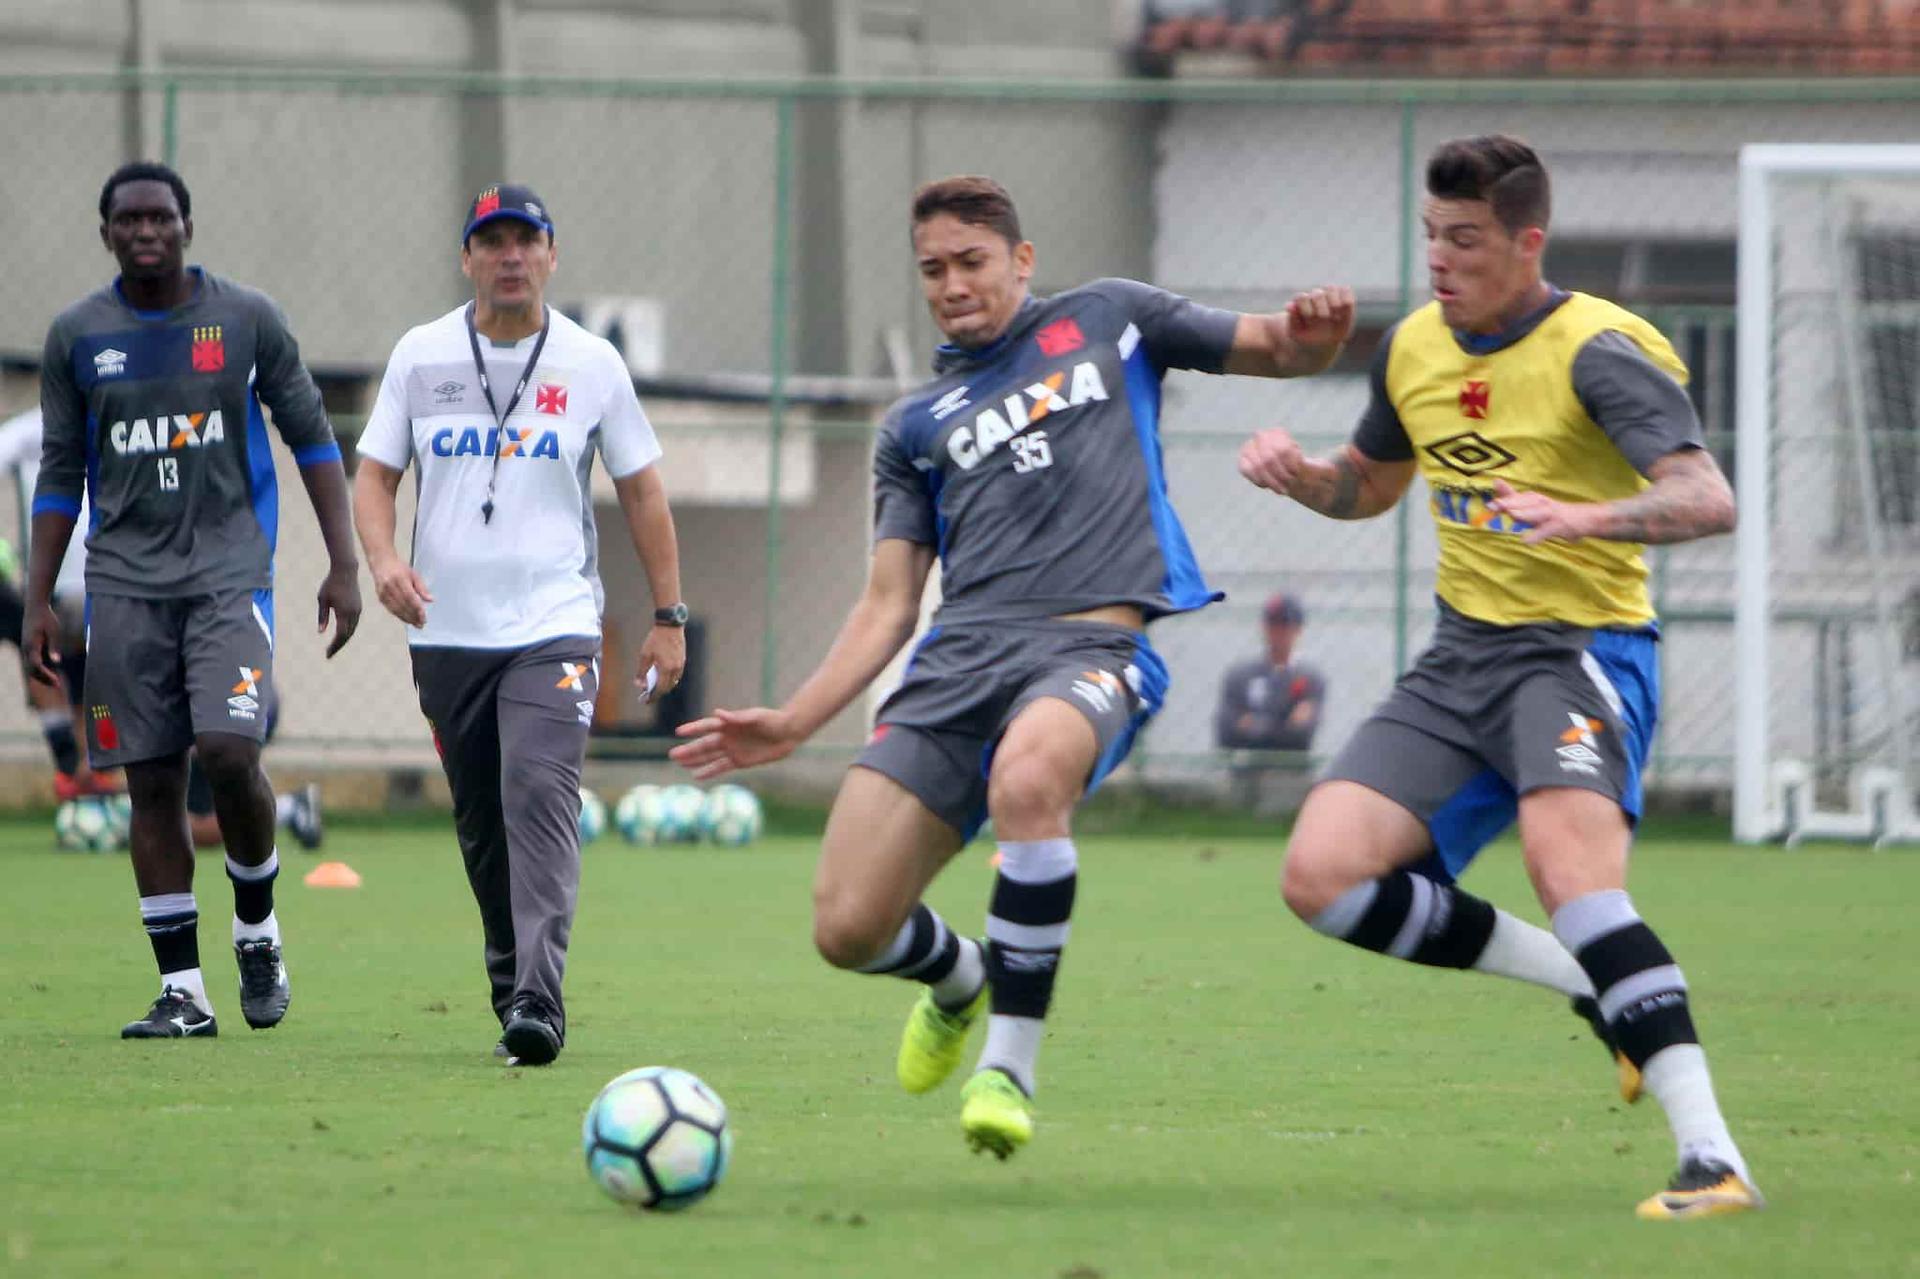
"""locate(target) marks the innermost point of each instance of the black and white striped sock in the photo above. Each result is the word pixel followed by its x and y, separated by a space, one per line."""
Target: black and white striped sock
pixel 1643 996
pixel 1027 927
pixel 926 950
pixel 1415 918
pixel 172 921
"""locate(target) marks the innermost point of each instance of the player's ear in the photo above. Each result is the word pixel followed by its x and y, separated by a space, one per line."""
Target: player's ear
pixel 105 240
pixel 1023 261
pixel 1533 241
pixel 186 232
pixel 466 261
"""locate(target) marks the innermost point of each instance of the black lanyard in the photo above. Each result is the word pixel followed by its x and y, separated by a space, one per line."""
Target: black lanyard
pixel 486 389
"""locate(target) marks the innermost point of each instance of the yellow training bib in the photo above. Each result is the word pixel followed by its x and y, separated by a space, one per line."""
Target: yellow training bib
pixel 1513 415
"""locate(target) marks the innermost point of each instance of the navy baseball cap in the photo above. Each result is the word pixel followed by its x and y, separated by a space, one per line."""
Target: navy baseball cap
pixel 507 201
pixel 1285 609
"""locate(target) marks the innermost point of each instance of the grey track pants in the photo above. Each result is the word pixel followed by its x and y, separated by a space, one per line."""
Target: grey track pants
pixel 511 727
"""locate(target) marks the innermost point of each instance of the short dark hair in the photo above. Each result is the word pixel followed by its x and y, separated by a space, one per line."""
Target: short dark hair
pixel 974 200
pixel 145 171
pixel 1501 170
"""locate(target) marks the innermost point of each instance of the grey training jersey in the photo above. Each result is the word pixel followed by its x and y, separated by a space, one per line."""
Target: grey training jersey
pixel 1034 465
pixel 156 416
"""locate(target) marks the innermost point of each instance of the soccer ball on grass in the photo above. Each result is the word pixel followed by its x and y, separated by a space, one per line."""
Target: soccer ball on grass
pixel 86 825
pixel 593 816
pixel 657 1138
pixel 730 815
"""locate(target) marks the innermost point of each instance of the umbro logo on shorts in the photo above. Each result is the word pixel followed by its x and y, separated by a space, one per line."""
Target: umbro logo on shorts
pixel 245 701
pixel 1099 689
pixel 1578 750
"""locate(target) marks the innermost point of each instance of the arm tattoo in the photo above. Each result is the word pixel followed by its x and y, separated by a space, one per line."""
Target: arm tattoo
pixel 1336 486
pixel 1689 499
pixel 1343 503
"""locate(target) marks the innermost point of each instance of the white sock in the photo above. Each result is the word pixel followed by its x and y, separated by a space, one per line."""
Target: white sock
pixel 1519 950
pixel 190 980
pixel 969 973
pixel 1677 1076
pixel 268 928
pixel 1013 1045
pixel 282 809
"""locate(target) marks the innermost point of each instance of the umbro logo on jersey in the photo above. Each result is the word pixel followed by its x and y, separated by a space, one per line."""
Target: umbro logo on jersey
pixel 950 403
pixel 525 442
pixel 1470 453
pixel 448 392
pixel 109 363
pixel 993 427
pixel 167 432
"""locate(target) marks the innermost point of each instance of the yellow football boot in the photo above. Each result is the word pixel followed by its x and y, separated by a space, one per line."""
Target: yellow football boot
pixel 995 1114
pixel 934 1041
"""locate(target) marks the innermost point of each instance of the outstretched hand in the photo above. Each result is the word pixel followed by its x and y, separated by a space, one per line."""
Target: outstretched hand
pixel 729 740
pixel 1548 519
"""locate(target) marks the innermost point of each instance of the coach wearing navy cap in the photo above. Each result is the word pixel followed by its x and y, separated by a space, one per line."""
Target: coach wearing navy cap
pixel 500 406
pixel 506 201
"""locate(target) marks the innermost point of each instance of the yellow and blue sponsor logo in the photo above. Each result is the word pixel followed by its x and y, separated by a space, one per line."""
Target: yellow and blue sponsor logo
pixel 1469 507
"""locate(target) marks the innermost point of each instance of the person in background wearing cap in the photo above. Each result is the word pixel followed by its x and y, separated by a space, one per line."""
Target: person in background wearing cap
pixel 151 390
pixel 500 405
pixel 1272 703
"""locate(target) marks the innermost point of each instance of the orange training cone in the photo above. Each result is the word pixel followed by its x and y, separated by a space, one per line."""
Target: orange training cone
pixel 332 875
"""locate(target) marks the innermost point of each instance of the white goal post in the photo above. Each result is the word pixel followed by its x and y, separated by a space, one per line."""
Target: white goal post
pixel 1828 382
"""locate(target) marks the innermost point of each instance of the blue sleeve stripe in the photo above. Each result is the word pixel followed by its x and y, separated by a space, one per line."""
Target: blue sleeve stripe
pixel 57 505
pixel 317 453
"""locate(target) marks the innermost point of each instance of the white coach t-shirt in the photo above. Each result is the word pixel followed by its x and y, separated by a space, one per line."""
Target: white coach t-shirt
pixel 528 575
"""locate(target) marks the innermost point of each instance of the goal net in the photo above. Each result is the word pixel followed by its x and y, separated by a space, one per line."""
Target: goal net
pixel 1827 467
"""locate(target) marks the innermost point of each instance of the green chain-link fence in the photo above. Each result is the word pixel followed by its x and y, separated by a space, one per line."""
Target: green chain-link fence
pixel 746 245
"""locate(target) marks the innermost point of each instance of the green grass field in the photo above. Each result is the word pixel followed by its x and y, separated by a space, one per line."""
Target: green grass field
pixel 1223 1093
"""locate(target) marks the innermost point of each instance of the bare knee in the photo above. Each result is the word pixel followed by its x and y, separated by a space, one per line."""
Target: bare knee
pixel 1311 878
pixel 846 935
pixel 159 784
pixel 1029 800
pixel 1345 836
pixel 1575 842
pixel 227 759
